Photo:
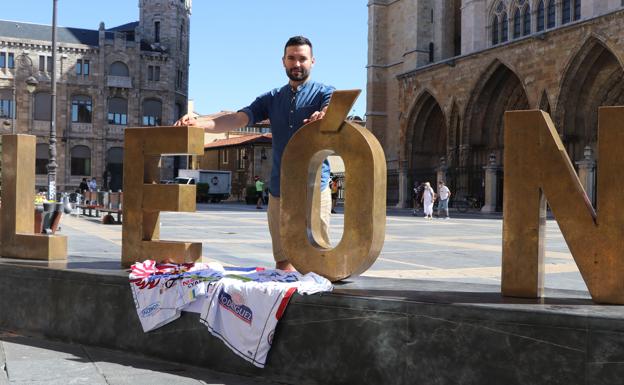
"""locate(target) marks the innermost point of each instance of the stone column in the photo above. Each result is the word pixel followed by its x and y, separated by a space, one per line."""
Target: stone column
pixel 490 185
pixel 441 172
pixel 403 187
pixel 587 173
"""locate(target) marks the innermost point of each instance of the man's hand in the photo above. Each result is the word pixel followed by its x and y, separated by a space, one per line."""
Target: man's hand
pixel 316 115
pixel 189 119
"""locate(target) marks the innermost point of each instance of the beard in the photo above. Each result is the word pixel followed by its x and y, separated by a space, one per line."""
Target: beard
pixel 301 75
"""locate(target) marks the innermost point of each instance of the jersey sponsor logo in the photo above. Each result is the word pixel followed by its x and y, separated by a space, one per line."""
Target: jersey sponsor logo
pixel 150 310
pixel 234 305
pixel 270 337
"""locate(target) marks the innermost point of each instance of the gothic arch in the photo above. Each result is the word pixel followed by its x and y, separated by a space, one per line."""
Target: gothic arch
pixel 499 89
pixel 426 137
pixel 594 77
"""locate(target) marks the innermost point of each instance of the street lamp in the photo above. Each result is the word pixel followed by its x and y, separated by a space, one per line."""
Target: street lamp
pixel 52 165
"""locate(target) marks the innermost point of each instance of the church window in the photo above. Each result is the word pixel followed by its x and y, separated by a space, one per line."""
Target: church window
pixel 495 30
pixel 540 16
pixel 516 23
pixel 565 14
pixel 550 23
pixel 526 20
pixel 504 28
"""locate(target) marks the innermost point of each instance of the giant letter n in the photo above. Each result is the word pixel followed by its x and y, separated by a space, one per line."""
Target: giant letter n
pixel 537 168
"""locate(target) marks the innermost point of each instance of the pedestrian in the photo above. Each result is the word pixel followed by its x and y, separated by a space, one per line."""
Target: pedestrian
pixel 417 192
pixel 84 186
pixel 335 189
pixel 93 184
pixel 259 192
pixel 444 195
pixel 428 197
pixel 289 107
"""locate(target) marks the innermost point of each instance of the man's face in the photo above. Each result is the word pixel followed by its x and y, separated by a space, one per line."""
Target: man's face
pixel 298 62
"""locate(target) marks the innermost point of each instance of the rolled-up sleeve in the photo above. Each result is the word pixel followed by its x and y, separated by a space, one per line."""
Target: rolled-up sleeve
pixel 258 110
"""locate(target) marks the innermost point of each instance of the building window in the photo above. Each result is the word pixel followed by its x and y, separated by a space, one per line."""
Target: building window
pixel 119 69
pixel 41 159
pixel 152 112
pixel 550 22
pixel 577 10
pixel 526 20
pixel 157 32
pixel 80 160
pixel 495 30
pixel 2 59
pixel 504 28
pixel 6 108
pixel 540 16
pixel 566 9
pixel 11 60
pixel 225 159
pixel 81 109
pixel 43 106
pixel 45 63
pixel 241 157
pixel 153 73
pixel 516 23
pixel 179 79
pixel 118 111
pixel 82 67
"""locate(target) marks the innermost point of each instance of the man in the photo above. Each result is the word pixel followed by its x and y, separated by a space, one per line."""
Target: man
pixel 93 184
pixel 259 192
pixel 444 193
pixel 288 108
pixel 335 189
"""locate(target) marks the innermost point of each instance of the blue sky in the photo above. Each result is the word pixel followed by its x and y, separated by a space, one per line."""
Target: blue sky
pixel 237 45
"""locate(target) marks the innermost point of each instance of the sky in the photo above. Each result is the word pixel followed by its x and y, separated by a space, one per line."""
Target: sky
pixel 237 45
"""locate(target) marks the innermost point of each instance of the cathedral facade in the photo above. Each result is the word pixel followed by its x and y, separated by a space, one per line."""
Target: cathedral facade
pixel 441 74
pixel 108 79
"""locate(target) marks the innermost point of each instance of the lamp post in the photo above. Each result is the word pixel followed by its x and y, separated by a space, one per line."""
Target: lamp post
pixel 52 165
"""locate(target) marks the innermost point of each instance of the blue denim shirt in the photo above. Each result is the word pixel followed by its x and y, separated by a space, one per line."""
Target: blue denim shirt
pixel 287 109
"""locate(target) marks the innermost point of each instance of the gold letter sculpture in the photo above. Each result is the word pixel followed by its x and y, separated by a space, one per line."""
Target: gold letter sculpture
pixel 144 198
pixel 18 204
pixel 536 164
pixel 365 208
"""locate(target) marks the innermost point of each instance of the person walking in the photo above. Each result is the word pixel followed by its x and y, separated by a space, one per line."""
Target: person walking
pixel 289 107
pixel 444 195
pixel 417 192
pixel 427 200
pixel 259 192
pixel 335 188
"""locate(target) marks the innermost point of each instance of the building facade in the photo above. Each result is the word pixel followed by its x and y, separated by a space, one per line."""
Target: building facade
pixel 245 156
pixel 441 74
pixel 107 79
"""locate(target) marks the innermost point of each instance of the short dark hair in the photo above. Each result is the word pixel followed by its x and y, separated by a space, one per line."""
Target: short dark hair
pixel 296 41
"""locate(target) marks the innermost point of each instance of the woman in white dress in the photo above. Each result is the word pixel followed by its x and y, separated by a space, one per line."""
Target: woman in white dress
pixel 427 200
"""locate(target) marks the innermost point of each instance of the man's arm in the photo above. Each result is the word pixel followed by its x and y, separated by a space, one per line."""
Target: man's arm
pixel 316 115
pixel 223 123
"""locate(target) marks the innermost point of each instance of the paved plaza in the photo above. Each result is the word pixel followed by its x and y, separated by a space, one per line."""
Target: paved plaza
pixel 462 249
pixel 466 248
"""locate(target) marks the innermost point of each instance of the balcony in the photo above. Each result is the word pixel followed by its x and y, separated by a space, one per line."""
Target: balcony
pixel 115 131
pixel 119 81
pixel 82 128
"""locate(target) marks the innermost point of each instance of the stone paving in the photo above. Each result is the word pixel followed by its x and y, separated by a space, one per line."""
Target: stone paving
pixel 466 248
pixel 462 249
pixel 36 361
